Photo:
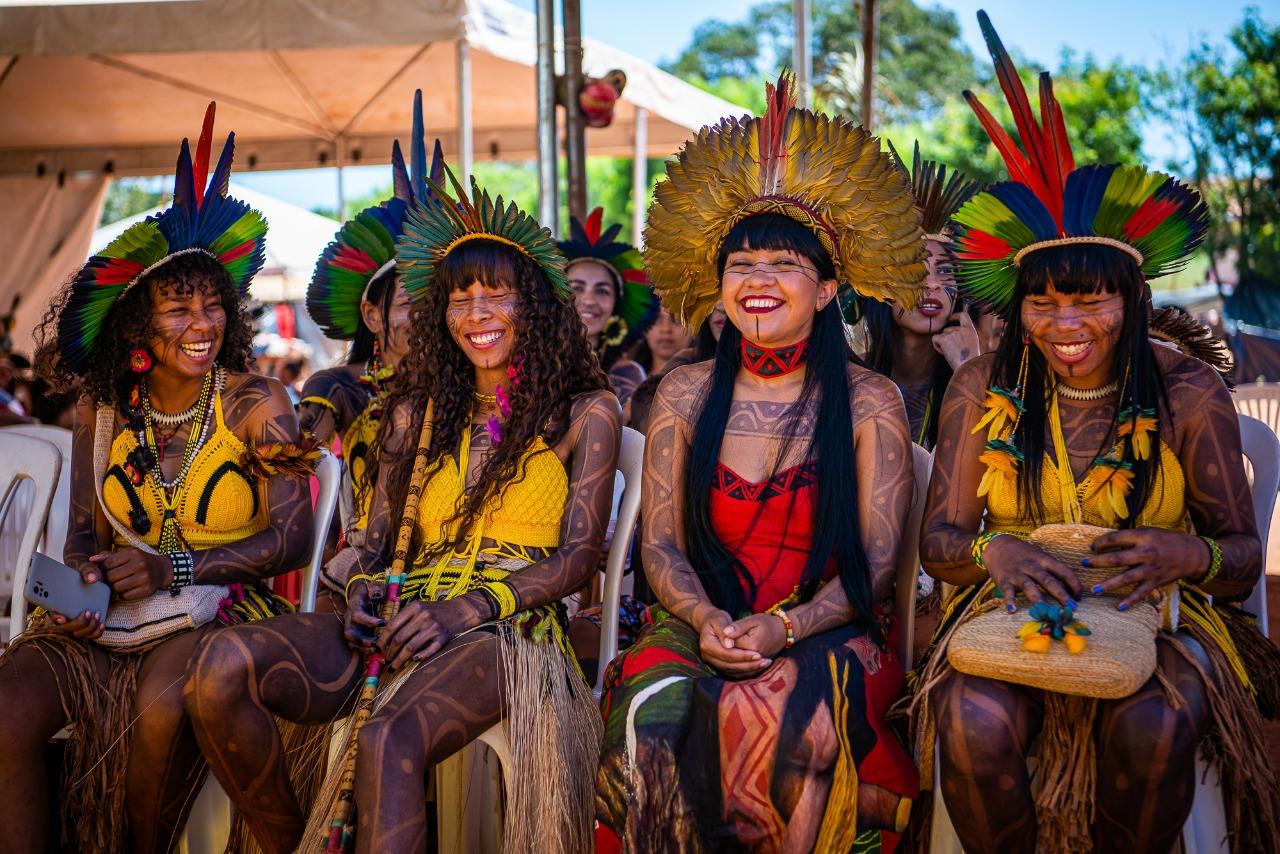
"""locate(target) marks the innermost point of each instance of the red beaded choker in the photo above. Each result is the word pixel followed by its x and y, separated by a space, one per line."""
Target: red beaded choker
pixel 771 362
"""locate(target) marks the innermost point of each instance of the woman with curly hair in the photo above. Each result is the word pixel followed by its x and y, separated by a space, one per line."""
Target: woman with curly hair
pixel 502 408
pixel 172 506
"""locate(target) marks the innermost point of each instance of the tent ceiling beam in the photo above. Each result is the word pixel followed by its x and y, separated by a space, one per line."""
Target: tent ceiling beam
pixel 8 66
pixel 390 81
pixel 300 89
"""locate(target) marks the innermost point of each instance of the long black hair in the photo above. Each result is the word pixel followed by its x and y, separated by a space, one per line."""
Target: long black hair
pixel 1083 268
pixel 881 331
pixel 381 292
pixel 828 436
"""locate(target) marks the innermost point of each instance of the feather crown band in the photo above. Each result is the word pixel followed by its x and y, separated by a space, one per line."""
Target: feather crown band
pixel 202 218
pixel 938 194
pixel 446 220
pixel 365 246
pixel 637 304
pixel 1155 218
pixel 826 173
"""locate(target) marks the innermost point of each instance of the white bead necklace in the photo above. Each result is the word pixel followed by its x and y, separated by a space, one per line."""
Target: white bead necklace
pixel 1087 394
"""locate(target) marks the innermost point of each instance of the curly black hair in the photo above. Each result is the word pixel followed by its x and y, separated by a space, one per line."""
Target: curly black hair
pixel 555 364
pixel 106 378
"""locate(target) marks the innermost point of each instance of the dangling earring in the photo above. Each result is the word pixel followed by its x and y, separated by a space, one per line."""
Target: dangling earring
pixel 140 360
pixel 615 331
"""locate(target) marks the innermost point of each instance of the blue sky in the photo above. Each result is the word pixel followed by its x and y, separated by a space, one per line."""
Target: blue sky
pixel 1143 31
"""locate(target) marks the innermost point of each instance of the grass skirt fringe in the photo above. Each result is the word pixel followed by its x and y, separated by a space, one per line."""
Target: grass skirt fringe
pixel 553 730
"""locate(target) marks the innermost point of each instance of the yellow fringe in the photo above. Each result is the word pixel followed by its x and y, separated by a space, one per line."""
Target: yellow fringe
pixel 840 823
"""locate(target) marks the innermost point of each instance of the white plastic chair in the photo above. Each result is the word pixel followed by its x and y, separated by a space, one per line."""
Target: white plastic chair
pixel 1205 831
pixel 209 824
pixel 1260 401
pixel 25 458
pixel 55 527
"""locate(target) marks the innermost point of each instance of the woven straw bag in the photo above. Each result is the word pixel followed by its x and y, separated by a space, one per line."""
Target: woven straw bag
pixel 146 622
pixel 1118 659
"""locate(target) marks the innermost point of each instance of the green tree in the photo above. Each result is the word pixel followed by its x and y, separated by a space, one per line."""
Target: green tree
pixel 129 196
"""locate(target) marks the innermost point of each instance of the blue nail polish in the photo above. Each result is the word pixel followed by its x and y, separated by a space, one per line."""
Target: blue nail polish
pixel 1011 608
pixel 1124 606
pixel 1084 562
pixel 1097 589
pixel 1072 604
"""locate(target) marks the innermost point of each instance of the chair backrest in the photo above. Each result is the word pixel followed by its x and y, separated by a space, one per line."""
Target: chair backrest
pixel 329 474
pixel 908 570
pixel 25 457
pixel 631 467
pixel 1262 449
pixel 55 527
pixel 1260 401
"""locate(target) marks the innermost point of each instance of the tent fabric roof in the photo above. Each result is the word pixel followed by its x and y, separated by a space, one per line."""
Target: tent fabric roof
pixel 303 83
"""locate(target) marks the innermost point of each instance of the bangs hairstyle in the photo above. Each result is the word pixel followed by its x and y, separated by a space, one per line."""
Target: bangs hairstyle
pixel 107 379
pixel 820 419
pixel 551 357
pixel 1082 268
pixel 381 292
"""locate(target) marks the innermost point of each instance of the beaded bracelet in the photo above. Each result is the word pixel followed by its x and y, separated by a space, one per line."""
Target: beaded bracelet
pixel 379 578
pixel 1215 561
pixel 491 602
pixel 979 546
pixel 777 611
pixel 184 570
pixel 320 401
pixel 503 596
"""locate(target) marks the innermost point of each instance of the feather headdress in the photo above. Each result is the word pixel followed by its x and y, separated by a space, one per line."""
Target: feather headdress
pixel 434 229
pixel 637 303
pixel 938 194
pixel 365 246
pixel 1049 202
pixel 825 173
pixel 202 218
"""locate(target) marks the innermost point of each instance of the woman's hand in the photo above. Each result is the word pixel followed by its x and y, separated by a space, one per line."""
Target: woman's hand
pixel 1019 567
pixel 363 618
pixel 1151 558
pixel 958 344
pixel 721 651
pixel 87 626
pixel 421 629
pixel 133 574
pixel 762 633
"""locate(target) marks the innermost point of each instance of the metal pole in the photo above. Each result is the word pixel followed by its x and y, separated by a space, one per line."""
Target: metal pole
pixel 639 176
pixel 869 40
pixel 339 150
pixel 465 142
pixel 548 203
pixel 575 129
pixel 801 58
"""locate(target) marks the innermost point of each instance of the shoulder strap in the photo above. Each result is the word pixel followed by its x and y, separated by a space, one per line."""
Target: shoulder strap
pixel 103 437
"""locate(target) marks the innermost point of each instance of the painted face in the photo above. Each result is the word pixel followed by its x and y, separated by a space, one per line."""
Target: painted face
pixel 481 319
pixel 1076 333
pixel 394 339
pixel 188 323
pixel 772 295
pixel 937 300
pixel 666 337
pixel 990 331
pixel 717 320
pixel 594 294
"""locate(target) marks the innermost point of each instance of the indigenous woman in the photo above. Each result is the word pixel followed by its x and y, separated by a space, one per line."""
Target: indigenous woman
pixel 612 296
pixel 749 715
pixel 171 506
pixel 920 348
pixel 1078 418
pixel 508 483
pixel 661 341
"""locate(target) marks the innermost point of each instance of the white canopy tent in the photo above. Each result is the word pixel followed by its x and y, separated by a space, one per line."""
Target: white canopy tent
pixel 88 91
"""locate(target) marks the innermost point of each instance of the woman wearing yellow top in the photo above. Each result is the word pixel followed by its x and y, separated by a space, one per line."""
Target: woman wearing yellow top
pixel 1078 418
pixel 168 508
pixel 520 463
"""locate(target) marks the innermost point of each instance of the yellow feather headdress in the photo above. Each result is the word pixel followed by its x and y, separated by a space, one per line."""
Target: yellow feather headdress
pixel 826 173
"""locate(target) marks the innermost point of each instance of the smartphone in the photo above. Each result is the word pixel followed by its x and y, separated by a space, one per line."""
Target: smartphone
pixel 59 588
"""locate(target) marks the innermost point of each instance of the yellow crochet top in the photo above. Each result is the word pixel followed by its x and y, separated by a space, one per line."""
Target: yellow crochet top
pixel 216 504
pixel 526 515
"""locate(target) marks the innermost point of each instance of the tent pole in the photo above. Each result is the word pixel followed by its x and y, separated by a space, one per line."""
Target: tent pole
pixel 639 176
pixel 801 58
pixel 575 131
pixel 548 203
pixel 465 143
pixel 339 148
pixel 869 44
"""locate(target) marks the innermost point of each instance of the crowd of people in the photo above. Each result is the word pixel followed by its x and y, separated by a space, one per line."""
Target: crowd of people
pixel 808 311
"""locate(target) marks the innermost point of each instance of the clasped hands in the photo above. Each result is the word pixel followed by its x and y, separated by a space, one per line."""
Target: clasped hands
pixel 1149 558
pixel 740 648
pixel 418 631
pixel 131 573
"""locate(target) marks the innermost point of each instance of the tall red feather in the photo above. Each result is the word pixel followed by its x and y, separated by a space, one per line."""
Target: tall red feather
pixel 773 150
pixel 592 226
pixel 200 169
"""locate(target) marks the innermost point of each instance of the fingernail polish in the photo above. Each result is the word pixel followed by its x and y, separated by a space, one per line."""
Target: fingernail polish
pixel 381 624
pixel 1085 562
pixel 1124 606
pixel 1010 608
pixel 1097 589
pixel 1073 604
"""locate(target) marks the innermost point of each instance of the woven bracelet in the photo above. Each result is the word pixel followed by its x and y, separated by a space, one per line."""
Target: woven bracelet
pixel 1215 562
pixel 979 547
pixel 503 596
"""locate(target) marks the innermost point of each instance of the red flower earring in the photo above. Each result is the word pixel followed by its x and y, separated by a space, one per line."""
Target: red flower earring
pixel 139 360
